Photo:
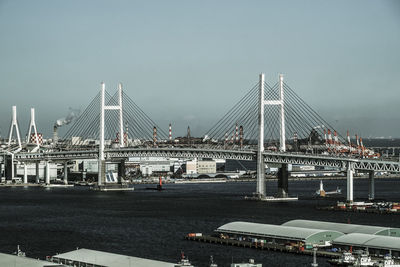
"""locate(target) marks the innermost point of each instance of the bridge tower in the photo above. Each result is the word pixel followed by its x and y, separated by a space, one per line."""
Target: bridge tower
pixel 14 123
pixel 103 108
pixel 282 147
pixel 33 124
pixel 260 150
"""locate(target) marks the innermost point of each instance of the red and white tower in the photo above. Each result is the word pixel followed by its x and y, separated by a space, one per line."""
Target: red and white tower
pixel 170 132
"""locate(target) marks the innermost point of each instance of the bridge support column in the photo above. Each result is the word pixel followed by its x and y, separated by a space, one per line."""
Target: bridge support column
pixel 283 181
pixel 102 173
pixel 9 167
pixel 25 173
pixel 371 175
pixel 37 172
pixel 65 172
pixel 121 171
pixel 350 173
pixel 260 156
pixel 47 171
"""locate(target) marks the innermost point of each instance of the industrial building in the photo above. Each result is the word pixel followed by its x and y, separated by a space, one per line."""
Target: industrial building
pixel 206 166
pixel 345 227
pixel 191 167
pixel 278 233
pixel 19 261
pixel 95 258
pixel 154 167
pixel 376 244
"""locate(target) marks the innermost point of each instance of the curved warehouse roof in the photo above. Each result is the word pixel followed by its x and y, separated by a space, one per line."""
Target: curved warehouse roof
pixel 344 227
pixel 279 231
pixel 370 241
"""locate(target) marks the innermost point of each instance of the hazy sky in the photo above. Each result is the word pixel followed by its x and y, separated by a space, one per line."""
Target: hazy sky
pixel 187 62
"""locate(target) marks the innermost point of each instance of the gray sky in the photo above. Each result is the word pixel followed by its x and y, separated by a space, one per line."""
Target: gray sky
pixel 188 62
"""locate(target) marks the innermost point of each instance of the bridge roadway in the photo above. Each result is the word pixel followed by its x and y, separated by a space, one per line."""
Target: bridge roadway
pixel 269 157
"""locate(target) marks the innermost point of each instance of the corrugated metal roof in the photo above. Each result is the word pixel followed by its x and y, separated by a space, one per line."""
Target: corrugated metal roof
pixel 110 259
pixel 270 230
pixel 17 261
pixel 370 241
pixel 342 227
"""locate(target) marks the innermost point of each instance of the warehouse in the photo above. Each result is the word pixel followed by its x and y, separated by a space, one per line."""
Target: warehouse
pixel 376 244
pixel 345 227
pixel 95 258
pixel 277 233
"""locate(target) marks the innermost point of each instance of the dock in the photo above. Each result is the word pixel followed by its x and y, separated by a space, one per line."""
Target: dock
pixel 266 246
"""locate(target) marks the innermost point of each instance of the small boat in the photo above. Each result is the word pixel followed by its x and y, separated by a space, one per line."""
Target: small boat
pixel 19 252
pixel 346 259
pixel 322 193
pixel 251 263
pixel 387 262
pixel 349 260
pixel 212 263
pixel 184 262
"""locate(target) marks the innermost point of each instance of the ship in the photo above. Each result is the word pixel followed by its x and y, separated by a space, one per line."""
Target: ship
pixel 363 259
pixel 322 193
pixel 184 262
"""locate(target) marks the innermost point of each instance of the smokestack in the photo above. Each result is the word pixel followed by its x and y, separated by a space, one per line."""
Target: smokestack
pixel 236 134
pixel 55 134
pixel 362 147
pixel 188 135
pixel 348 138
pixel 241 136
pixel 170 132
pixel 335 138
pixel 329 137
pixel 63 121
pixel 154 136
pixel 326 139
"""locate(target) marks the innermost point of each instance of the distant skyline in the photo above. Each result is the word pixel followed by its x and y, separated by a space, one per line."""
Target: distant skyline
pixel 188 62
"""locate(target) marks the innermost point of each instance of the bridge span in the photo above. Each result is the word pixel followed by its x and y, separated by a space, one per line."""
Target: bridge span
pixel 346 164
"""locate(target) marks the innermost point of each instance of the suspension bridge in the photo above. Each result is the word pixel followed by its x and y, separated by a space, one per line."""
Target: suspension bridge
pixel 270 124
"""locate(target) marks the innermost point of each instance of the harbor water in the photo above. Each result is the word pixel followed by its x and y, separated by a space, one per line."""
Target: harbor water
pixel 152 224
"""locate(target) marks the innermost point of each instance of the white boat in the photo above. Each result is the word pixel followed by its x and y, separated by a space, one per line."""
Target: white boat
pixel 387 262
pixel 364 260
pixel 212 263
pixel 321 192
pixel 184 262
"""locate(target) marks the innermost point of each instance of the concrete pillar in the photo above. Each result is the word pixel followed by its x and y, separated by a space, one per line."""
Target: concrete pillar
pixel 371 185
pixel 283 181
pixel 37 172
pixel 65 172
pixel 9 167
pixel 102 172
pixel 350 173
pixel 121 171
pixel 47 172
pixel 25 173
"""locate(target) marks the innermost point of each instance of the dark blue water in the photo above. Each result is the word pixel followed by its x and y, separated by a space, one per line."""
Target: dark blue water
pixel 153 224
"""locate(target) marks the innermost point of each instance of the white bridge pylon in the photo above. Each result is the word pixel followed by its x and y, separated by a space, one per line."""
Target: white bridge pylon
pixel 33 124
pixel 14 123
pixel 261 190
pixel 103 108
